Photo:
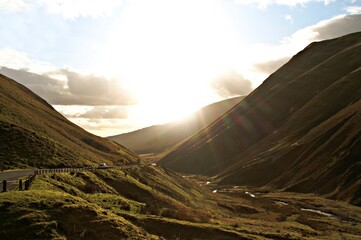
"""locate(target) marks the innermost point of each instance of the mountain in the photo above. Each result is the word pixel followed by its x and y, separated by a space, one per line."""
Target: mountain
pixel 157 139
pixel 299 131
pixel 147 202
pixel 33 134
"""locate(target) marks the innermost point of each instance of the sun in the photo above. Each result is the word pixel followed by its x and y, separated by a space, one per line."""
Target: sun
pixel 164 107
pixel 168 52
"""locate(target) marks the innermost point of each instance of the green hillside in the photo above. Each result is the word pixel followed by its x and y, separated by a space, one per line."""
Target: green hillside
pixel 33 134
pixel 299 131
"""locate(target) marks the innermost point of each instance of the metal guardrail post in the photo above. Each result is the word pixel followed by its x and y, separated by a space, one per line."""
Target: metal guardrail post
pixel 4 185
pixel 27 184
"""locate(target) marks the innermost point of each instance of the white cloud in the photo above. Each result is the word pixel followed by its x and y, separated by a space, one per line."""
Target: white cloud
pixel 102 112
pixel 106 112
pixel 231 84
pixel 289 18
pixel 270 66
pixel 13 5
pixel 14 59
pixel 263 4
pixel 93 113
pixel 353 9
pixel 103 127
pixel 268 58
pixel 71 9
pixel 331 28
pixel 100 120
pixel 68 9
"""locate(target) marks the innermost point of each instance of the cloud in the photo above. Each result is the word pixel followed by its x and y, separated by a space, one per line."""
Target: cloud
pixel 14 59
pixel 263 4
pixel 104 127
pixel 353 9
pixel 48 88
pixel 331 28
pixel 13 5
pixel 271 66
pixel 102 112
pixel 74 89
pixel 68 9
pixel 71 9
pixel 271 57
pixel 97 90
pixel 289 18
pixel 231 84
pixel 98 119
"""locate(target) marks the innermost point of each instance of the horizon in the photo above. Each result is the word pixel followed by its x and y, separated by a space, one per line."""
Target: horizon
pixel 116 66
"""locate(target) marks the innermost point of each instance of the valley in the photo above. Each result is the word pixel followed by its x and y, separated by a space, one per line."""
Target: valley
pixel 299 131
pixel 280 163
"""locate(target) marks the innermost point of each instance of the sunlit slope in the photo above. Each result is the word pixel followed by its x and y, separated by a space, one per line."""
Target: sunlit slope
pixel 34 134
pixel 157 139
pixel 301 129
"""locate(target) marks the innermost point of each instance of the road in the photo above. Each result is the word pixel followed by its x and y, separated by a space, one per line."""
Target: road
pixel 14 175
pixel 130 166
pixel 12 178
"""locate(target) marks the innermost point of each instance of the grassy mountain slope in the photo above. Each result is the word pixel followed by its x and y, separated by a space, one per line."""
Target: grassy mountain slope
pixel 34 134
pixel 157 139
pixel 300 130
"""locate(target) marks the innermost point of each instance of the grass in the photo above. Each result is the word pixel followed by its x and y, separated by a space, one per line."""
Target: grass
pixel 48 214
pixel 150 202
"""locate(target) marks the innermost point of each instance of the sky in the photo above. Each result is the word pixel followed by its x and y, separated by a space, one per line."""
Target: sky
pixel 114 66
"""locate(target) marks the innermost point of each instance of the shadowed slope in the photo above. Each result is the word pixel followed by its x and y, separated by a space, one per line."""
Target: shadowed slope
pixel 34 134
pixel 299 130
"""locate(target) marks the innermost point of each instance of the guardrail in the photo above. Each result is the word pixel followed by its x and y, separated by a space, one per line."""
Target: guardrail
pixel 63 170
pixel 25 184
pixel 17 184
pixel 71 170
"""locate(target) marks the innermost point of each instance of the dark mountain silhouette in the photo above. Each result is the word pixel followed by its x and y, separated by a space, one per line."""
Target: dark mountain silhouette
pixel 34 134
pixel 300 130
pixel 157 139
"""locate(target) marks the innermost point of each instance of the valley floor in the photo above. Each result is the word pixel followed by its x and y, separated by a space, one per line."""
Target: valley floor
pixel 153 203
